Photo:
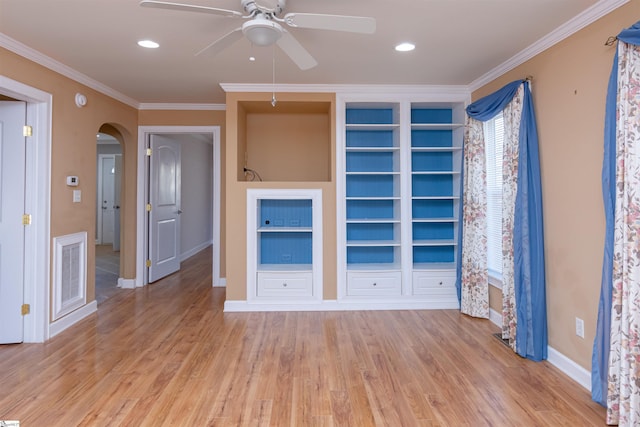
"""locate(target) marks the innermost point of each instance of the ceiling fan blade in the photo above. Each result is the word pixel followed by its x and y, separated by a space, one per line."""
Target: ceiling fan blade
pixel 222 43
pixel 188 8
pixel 352 24
pixel 296 51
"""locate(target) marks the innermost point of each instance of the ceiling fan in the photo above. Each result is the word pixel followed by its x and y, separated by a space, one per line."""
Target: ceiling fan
pixel 263 26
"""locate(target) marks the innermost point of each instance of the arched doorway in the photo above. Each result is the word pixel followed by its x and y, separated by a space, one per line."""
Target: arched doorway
pixel 109 163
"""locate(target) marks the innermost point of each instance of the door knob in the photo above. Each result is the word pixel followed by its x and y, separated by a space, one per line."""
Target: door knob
pixel 179 212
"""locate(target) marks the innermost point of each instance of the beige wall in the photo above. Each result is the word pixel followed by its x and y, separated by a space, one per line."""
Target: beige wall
pixel 73 152
pixel 237 124
pixel 305 152
pixel 197 118
pixel 569 87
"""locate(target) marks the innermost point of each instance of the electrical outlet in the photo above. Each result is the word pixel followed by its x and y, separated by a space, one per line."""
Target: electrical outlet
pixel 579 327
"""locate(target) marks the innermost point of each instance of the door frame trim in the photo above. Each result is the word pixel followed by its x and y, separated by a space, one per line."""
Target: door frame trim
pixel 142 181
pixel 38 204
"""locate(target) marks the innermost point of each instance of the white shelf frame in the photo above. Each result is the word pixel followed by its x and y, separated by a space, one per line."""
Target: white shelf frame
pixel 432 98
pixel 253 196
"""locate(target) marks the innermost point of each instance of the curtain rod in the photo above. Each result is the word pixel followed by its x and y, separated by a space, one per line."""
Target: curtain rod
pixel 528 78
pixel 610 41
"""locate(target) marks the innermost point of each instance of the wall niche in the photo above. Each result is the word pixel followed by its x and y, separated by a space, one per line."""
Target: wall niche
pixel 290 142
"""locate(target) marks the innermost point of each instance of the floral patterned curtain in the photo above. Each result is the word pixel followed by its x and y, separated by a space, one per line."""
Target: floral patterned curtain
pixel 524 298
pixel 615 364
pixel 474 293
pixel 623 397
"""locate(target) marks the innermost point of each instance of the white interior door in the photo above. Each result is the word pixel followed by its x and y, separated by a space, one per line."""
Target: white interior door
pixel 106 198
pixel 12 184
pixel 117 184
pixel 164 198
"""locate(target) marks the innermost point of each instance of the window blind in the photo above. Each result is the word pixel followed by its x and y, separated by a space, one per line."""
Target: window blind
pixel 494 136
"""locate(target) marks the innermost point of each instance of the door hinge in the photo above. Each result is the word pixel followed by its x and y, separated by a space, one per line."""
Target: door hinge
pixel 26 219
pixel 148 207
pixel 27 130
pixel 148 152
pixel 25 309
pixel 148 263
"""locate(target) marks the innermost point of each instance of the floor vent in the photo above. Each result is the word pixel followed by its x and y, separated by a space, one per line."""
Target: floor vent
pixel 504 341
pixel 69 273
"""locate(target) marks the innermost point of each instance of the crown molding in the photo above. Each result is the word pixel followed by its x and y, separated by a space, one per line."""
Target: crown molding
pixel 50 63
pixel 595 12
pixel 349 89
pixel 178 106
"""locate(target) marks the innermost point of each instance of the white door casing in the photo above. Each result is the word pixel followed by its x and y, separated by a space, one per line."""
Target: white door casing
pixel 164 198
pixel 144 132
pixel 37 204
pixel 12 207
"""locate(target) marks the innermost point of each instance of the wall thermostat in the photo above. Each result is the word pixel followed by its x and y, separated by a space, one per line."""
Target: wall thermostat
pixel 72 181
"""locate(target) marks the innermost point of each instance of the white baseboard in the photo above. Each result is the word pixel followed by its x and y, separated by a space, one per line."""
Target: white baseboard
pixel 222 283
pixel 191 252
pixel 495 317
pixel 569 367
pixel 557 359
pixel 126 283
pixel 334 305
pixel 72 318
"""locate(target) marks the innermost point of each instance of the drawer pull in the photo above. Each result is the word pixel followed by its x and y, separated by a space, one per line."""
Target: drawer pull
pixel 440 283
pixel 375 284
pixel 284 284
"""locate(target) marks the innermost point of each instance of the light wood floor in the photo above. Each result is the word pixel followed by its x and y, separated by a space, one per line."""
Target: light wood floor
pixel 107 272
pixel 167 355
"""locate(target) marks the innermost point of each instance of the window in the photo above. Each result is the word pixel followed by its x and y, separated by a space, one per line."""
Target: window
pixel 494 135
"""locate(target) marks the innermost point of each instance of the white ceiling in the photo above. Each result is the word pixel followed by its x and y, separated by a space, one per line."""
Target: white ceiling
pixel 457 42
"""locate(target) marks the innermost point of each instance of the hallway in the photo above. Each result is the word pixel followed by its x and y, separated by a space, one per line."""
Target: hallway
pixel 107 272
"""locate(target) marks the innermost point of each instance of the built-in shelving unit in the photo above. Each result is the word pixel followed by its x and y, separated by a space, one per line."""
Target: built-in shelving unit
pixel 399 199
pixel 284 244
pixel 435 186
pixel 373 199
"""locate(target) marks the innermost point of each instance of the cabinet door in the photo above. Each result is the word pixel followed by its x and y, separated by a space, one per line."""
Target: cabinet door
pixel 437 283
pixel 374 283
pixel 284 284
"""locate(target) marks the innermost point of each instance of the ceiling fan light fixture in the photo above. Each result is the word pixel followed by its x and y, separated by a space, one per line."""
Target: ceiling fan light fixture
pixel 405 47
pixel 262 32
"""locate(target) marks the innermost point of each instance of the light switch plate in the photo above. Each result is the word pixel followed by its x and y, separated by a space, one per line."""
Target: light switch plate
pixel 77 196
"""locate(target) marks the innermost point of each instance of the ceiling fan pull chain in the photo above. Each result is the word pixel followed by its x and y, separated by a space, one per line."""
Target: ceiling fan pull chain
pixel 273 63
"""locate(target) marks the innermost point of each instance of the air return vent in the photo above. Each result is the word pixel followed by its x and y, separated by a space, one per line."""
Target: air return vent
pixel 69 273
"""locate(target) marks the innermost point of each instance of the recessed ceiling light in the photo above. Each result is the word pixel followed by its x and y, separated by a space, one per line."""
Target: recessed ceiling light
pixel 252 58
pixel 148 44
pixel 405 47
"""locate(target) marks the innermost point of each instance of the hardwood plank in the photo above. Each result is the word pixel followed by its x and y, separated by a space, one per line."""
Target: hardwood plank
pixel 167 355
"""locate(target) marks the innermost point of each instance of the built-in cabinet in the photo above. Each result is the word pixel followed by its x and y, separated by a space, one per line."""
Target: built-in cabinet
pixel 399 166
pixel 284 245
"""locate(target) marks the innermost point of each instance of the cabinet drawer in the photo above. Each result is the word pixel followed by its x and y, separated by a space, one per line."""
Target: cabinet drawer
pixel 373 283
pixel 434 283
pixel 284 284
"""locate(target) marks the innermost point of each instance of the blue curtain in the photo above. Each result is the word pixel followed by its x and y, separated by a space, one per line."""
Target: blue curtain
pixel 529 280
pixel 601 344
